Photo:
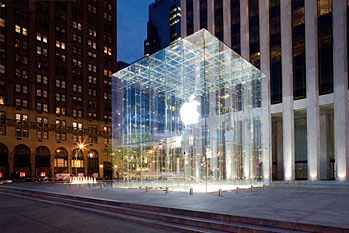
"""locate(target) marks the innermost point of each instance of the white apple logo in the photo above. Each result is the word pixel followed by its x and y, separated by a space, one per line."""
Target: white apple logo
pixel 190 111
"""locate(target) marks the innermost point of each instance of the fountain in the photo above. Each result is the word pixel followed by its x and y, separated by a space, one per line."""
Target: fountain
pixel 83 180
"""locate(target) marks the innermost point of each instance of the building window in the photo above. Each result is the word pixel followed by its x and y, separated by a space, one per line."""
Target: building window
pixel 190 17
pixel 45 108
pixel 235 25
pixel 325 47
pixel 2 100
pixel 218 15
pixel 17 29
pixel 18 132
pixel 253 10
pixel 298 50
pixel 39 134
pixel 2 69
pixel 275 52
pixel 2 22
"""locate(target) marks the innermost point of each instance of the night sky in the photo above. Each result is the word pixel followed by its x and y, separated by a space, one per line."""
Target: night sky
pixel 132 18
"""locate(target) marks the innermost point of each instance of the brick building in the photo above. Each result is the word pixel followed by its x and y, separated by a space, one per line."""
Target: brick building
pixel 56 62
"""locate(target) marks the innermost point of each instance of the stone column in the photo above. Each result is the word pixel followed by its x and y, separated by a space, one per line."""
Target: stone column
pixel 313 113
pixel 196 15
pixel 210 16
pixel 340 81
pixel 287 90
pixel 227 22
pixel 183 18
pixel 244 30
pixel 265 68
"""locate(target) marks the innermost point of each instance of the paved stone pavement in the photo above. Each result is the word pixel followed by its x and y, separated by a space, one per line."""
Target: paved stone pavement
pixel 323 203
pixel 20 215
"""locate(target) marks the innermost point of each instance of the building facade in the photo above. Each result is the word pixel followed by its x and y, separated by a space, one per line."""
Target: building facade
pixel 302 46
pixel 56 62
pixel 164 26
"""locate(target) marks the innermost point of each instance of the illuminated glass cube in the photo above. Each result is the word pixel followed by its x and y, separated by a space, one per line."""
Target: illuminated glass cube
pixel 192 115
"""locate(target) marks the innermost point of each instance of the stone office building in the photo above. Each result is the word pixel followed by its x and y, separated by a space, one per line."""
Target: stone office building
pixel 302 45
pixel 56 62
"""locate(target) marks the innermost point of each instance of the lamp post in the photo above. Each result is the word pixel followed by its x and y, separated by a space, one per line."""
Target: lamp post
pixel 81 146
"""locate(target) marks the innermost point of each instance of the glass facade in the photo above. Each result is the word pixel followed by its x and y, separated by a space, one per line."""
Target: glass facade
pixel 192 118
pixel 275 52
pixel 235 26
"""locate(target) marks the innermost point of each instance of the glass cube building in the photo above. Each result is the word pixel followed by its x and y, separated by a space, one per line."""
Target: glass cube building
pixel 192 115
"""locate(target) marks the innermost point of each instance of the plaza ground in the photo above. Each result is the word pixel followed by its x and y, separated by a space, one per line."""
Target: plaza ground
pixel 317 203
pixel 21 215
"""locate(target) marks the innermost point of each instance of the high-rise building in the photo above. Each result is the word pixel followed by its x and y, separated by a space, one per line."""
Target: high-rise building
pixel 302 46
pixel 164 26
pixel 56 62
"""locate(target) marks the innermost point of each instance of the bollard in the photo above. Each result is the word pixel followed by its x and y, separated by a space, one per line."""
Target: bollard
pixel 146 188
pixel 282 185
pixel 90 186
pixel 237 190
pixel 220 193
pixel 166 189
pixel 302 182
pixel 289 183
pixel 306 182
pixel 252 188
pixel 274 186
pixel 296 183
pixel 191 191
pixel 264 187
pixel 101 186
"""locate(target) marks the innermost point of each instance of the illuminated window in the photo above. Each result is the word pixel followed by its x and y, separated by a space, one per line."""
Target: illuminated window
pixel 44 39
pixel 2 69
pixel 45 108
pixel 62 45
pixel 58 110
pixel 24 31
pixel 58 44
pixel 77 163
pixel 2 100
pixel 38 50
pixel 45 135
pixel 109 51
pixel 39 134
pixel 38 36
pixel 25 74
pixel 17 29
pixel 2 22
pixel 25 89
